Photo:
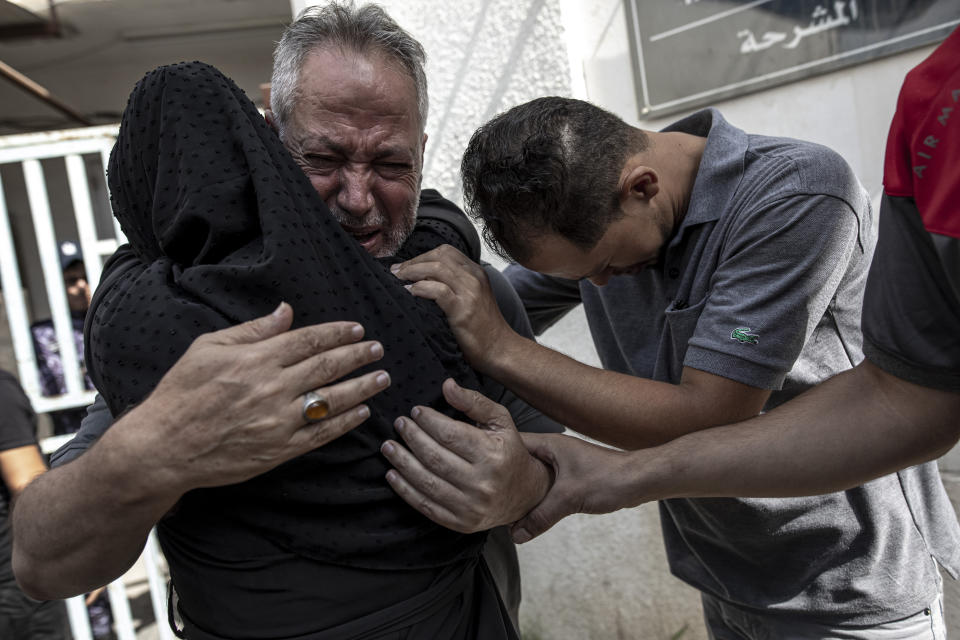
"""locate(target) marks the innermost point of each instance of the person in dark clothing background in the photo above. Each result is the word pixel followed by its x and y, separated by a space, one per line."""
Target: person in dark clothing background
pixel 53 383
pixel 47 348
pixel 21 617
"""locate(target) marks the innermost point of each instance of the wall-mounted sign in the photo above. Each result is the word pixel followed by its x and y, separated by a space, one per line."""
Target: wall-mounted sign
pixel 689 53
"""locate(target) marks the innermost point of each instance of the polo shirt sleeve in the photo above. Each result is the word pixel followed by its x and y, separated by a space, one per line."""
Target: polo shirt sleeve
pixel 545 298
pixel 911 315
pixel 776 277
pixel 18 422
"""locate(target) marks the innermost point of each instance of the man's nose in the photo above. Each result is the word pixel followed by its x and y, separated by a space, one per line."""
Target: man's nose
pixel 355 195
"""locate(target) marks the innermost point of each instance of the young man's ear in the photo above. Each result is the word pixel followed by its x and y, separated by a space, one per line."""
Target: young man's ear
pixel 639 182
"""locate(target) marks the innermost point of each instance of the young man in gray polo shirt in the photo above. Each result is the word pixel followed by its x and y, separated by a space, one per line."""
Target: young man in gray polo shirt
pixel 721 274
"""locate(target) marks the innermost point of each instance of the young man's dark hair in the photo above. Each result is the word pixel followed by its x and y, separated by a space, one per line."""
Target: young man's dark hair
pixel 542 167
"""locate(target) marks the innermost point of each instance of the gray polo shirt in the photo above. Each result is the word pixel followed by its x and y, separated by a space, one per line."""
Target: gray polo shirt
pixel 762 283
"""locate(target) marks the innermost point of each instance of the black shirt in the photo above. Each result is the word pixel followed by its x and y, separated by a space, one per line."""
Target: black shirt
pixel 911 314
pixel 18 428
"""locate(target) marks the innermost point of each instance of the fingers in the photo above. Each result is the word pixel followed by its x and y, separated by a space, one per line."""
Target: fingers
pixel 444 253
pixel 299 344
pixel 443 279
pixel 257 329
pixel 341 397
pixel 477 406
pixel 419 495
pixel 430 428
pixel 538 444
pixel 551 510
pixel 444 264
pixel 330 365
pixel 317 434
pixel 272 337
pixel 433 290
pixel 430 457
pixel 534 523
pixel 346 412
pixel 441 270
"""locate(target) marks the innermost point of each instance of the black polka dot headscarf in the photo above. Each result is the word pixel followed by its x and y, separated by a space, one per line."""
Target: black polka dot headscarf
pixel 225 226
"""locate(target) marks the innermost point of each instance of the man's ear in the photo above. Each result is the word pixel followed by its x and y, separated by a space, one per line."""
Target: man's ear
pixel 268 116
pixel 639 182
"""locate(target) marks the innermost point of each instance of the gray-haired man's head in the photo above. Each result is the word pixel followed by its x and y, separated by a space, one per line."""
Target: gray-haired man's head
pixel 349 100
pixel 365 30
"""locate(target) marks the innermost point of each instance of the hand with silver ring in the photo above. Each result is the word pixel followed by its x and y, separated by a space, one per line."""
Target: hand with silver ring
pixel 245 399
pixel 315 407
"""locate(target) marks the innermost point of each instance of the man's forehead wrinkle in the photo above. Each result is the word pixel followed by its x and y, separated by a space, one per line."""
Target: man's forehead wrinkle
pixel 362 73
pixel 346 112
pixel 373 57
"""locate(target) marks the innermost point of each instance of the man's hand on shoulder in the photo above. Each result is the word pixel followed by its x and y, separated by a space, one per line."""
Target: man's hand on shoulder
pixel 228 410
pixel 231 407
pixel 464 477
pixel 460 287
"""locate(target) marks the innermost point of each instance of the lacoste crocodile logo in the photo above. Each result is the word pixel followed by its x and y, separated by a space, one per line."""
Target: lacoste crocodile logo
pixel 743 336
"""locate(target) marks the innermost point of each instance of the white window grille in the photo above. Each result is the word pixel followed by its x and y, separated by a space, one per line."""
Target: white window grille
pixel 27 151
pixel 123 623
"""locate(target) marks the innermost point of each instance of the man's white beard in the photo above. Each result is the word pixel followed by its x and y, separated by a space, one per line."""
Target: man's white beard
pixel 393 235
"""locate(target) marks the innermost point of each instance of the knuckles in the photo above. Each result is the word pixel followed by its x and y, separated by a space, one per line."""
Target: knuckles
pixel 433 460
pixel 323 370
pixel 446 438
pixel 429 486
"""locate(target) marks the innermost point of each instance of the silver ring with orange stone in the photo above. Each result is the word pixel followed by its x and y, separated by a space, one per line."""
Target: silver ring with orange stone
pixel 315 407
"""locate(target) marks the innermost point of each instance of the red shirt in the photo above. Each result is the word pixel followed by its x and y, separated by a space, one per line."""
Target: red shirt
pixel 924 140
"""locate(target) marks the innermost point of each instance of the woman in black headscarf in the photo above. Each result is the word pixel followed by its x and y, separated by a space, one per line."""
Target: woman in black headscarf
pixel 224 226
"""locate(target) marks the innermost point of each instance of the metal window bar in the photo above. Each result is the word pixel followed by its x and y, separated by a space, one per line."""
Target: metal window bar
pixel 28 150
pixel 52 275
pixel 120 604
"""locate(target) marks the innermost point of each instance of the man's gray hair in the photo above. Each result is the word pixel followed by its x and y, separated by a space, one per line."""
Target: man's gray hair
pixel 367 29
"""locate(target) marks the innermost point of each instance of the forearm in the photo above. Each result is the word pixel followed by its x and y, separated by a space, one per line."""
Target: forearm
pixel 855 427
pixel 618 409
pixel 230 409
pixel 84 524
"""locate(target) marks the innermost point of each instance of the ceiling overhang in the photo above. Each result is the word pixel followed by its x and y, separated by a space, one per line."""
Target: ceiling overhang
pixel 21 19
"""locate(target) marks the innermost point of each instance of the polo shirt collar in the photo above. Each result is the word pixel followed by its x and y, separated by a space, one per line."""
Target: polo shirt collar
pixel 721 167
